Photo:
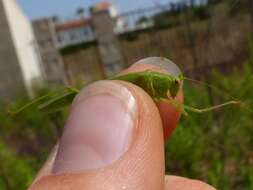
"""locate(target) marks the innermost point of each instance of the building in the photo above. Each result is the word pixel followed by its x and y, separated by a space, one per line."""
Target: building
pixel 74 32
pixel 53 69
pixel 120 24
pixel 80 30
pixel 19 60
pixel 52 36
pixel 107 40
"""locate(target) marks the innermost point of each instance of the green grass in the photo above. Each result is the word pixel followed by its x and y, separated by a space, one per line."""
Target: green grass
pixel 216 147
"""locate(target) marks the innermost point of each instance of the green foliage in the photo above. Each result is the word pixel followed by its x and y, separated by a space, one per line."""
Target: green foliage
pixel 214 2
pixel 176 17
pixel 15 172
pixel 216 147
pixel 166 19
pixel 141 20
pixel 26 140
pixel 237 7
pixel 200 12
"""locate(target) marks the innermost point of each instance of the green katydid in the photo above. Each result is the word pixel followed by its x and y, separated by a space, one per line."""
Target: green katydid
pixel 164 87
pixel 51 102
pixel 160 86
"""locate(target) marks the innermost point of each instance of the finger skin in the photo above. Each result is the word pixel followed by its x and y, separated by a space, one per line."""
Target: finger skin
pixel 169 115
pixel 180 183
pixel 141 167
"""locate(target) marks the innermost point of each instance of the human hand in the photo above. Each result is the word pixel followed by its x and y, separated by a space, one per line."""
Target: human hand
pixel 114 139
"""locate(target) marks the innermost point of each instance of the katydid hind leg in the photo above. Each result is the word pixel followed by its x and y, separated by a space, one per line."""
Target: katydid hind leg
pixel 203 110
pixel 55 99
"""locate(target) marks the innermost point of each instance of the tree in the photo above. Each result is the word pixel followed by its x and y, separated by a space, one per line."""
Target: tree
pixel 55 19
pixel 212 2
pixel 192 3
pixel 142 20
pixel 80 12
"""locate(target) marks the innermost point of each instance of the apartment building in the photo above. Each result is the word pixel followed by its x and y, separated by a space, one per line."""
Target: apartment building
pixel 20 66
pixel 53 68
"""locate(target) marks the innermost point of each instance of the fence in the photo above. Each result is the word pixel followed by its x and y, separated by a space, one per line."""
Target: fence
pixel 197 43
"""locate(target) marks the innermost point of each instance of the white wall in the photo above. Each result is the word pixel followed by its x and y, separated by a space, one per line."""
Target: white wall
pixel 24 42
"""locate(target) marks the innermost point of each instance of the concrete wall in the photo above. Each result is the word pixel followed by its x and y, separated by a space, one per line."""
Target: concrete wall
pixel 108 43
pixel 24 43
pixel 11 79
pixel 83 66
pixel 53 70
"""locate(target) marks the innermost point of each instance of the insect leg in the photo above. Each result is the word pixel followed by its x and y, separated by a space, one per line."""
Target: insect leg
pixel 30 104
pixel 152 86
pixel 196 110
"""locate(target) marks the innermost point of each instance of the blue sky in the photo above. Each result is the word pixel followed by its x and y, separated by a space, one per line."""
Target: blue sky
pixel 66 8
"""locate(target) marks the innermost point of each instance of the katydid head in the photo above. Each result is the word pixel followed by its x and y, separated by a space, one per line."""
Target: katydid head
pixel 175 85
pixel 174 88
pixel 165 86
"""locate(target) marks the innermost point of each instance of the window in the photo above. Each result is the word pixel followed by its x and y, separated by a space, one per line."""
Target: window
pixel 72 36
pixel 112 68
pixel 85 32
pixel 59 39
pixel 49 41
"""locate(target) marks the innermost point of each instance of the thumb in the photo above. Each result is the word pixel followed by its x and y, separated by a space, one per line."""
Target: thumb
pixel 113 139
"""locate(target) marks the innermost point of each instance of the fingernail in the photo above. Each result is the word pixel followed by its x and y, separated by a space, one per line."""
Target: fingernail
pixel 99 129
pixel 163 63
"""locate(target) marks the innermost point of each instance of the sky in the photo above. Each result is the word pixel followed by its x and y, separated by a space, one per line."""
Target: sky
pixel 66 8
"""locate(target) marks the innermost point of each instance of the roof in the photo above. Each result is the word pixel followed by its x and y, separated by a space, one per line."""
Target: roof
pixel 73 24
